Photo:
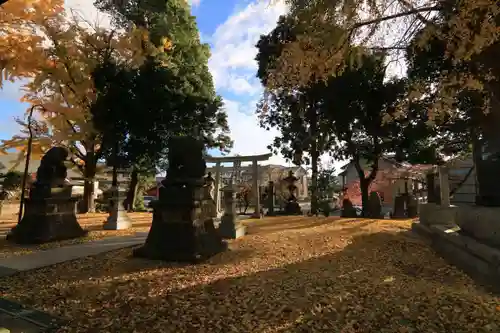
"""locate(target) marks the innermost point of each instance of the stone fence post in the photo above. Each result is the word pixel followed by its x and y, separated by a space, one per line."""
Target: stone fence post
pixel 444 186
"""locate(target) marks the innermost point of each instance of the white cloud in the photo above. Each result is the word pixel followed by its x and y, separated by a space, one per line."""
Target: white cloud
pixel 233 67
pixel 233 46
pixel 85 10
pixel 249 138
pixel 194 3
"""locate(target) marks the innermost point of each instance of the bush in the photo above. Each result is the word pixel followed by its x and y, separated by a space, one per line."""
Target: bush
pixel 11 185
pixel 139 203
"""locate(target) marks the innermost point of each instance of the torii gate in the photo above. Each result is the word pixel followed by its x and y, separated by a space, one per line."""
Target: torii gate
pixel 238 159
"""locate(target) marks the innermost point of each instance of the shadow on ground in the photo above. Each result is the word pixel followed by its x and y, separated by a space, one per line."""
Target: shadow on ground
pixel 378 283
pixel 279 224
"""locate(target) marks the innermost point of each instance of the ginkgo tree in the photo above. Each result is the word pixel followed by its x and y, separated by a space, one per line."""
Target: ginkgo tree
pixel 19 47
pixel 68 50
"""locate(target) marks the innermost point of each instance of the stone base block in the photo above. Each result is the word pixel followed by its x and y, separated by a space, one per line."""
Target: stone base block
pixel 47 220
pixel 181 241
pixel 234 232
pixel 434 214
pixel 482 223
pixel 119 221
pixel 230 228
pixel 475 258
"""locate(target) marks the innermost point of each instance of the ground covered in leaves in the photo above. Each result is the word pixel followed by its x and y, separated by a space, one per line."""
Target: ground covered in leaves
pixel 290 274
pixel 92 222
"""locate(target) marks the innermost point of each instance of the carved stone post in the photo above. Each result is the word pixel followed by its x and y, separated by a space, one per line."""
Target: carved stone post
pixel 444 186
pixel 431 188
pixel 270 199
pixel 255 171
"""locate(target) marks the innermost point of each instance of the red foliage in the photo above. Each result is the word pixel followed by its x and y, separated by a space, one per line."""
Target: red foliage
pixel 384 180
pixel 381 184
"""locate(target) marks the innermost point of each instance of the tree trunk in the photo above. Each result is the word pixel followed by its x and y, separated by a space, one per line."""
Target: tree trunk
pixel 88 186
pixel 364 182
pixel 314 177
pixel 364 185
pixel 132 190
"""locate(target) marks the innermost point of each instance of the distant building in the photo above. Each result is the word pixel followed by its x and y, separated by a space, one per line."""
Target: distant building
pixel 393 178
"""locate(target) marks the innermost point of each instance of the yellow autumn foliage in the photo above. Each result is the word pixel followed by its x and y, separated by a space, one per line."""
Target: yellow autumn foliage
pixel 19 46
pixel 59 60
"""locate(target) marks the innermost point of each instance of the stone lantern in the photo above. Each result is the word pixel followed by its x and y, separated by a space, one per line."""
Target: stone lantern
pixel 118 218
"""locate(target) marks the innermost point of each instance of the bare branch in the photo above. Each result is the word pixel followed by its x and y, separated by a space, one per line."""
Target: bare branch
pixel 398 15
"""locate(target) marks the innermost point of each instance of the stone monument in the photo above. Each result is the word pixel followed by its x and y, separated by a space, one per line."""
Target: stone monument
pixel 348 209
pixel 181 230
pixel 230 227
pixel 49 211
pixel 374 205
pixel 412 206
pixel 270 202
pixel 292 207
pixel 399 211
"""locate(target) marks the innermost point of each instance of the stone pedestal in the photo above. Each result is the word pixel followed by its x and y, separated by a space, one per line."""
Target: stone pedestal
pixel 180 232
pixel 47 219
pixel 230 227
pixel 118 218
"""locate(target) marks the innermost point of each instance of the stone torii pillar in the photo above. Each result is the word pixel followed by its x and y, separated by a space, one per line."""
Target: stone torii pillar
pixel 238 159
pixel 256 192
pixel 217 188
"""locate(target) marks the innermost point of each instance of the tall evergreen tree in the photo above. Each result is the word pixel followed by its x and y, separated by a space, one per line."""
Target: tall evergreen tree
pixel 173 92
pixel 295 112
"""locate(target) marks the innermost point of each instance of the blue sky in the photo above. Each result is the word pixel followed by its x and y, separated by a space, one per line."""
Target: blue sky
pixel 232 28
